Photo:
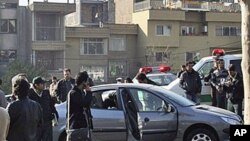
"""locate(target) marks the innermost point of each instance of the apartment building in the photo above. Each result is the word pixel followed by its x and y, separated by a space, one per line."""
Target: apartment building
pixel 12 33
pixel 173 32
pixel 97 45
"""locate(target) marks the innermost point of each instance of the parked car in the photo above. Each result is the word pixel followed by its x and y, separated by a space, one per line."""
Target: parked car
pixel 148 113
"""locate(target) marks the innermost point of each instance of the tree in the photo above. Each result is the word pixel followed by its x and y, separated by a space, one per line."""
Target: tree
pixel 245 64
pixel 19 67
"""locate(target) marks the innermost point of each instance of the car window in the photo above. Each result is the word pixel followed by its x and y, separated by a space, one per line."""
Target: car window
pixel 106 99
pixel 147 101
pixel 237 64
pixel 205 68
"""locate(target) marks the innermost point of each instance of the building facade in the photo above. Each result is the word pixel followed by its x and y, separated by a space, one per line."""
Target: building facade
pixel 12 33
pixel 173 32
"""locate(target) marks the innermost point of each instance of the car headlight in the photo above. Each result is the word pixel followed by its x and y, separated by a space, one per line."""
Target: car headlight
pixel 231 121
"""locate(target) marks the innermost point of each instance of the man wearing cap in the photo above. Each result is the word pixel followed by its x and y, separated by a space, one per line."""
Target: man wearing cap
pixel 42 96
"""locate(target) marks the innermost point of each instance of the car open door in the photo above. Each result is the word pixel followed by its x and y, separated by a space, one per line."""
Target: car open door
pixel 155 119
pixel 108 119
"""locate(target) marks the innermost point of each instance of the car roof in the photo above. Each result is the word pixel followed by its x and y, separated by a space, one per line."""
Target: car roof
pixel 117 85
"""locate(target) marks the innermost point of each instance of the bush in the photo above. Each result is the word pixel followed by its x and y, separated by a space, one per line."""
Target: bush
pixel 19 67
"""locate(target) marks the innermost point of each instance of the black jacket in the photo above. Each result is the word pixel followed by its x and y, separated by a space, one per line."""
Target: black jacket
pixel 236 90
pixel 25 120
pixel 218 79
pixel 62 89
pixel 46 103
pixel 191 82
pixel 78 101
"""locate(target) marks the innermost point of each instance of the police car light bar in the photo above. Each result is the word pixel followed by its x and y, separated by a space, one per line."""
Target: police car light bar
pixel 151 69
pixel 218 52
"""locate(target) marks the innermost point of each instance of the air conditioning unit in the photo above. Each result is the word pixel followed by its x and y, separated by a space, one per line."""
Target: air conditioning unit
pixel 204 28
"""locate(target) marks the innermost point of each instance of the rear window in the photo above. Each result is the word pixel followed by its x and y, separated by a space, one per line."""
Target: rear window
pixel 237 64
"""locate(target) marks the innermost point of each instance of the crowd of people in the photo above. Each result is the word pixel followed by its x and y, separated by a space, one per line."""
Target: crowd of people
pixel 33 106
pixel 29 115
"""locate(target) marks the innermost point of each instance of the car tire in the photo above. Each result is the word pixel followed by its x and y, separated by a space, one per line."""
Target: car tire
pixel 201 134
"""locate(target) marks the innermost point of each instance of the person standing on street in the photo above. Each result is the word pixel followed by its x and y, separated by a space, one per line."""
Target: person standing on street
pixel 26 116
pixel 235 91
pixel 52 88
pixel 4 123
pixel 218 81
pixel 64 85
pixel 42 96
pixel 183 69
pixel 3 101
pixel 190 81
pixel 79 100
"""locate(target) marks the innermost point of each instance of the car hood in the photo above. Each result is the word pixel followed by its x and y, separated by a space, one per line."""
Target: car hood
pixel 216 111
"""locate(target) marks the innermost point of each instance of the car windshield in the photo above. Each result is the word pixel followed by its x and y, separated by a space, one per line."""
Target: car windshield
pixel 174 96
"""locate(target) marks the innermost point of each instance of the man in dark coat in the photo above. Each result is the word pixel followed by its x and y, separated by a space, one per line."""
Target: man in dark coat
pixel 25 115
pixel 218 81
pixel 42 96
pixel 190 81
pixel 235 90
pixel 64 85
pixel 79 100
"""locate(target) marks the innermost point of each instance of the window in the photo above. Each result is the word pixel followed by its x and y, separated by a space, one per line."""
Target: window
pixel 237 64
pixel 192 56
pixel 228 31
pixel 97 73
pixel 7 26
pixel 106 99
pixel 159 56
pixel 163 30
pixel 48 27
pixel 7 5
pixel 92 46
pixel 204 70
pixel 117 44
pixel 7 55
pixel 147 101
pixel 117 68
pixel 187 30
pixel 230 1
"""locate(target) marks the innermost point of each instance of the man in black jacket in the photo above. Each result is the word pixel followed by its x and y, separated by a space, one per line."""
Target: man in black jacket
pixel 218 81
pixel 25 114
pixel 38 94
pixel 190 81
pixel 64 85
pixel 235 90
pixel 79 100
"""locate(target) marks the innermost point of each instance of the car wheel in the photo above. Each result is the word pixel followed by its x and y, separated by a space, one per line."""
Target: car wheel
pixel 201 134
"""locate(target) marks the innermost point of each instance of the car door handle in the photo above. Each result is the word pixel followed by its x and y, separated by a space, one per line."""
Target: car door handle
pixel 146 119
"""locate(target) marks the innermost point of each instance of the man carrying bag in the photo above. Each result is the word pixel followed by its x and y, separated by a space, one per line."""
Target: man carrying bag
pixel 78 105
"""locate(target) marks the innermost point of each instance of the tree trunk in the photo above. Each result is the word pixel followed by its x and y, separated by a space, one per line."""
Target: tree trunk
pixel 245 64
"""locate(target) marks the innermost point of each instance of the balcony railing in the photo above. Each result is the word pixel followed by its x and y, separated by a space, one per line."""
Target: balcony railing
pixel 187 5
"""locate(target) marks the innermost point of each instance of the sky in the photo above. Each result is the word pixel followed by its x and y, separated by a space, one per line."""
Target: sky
pixel 25 2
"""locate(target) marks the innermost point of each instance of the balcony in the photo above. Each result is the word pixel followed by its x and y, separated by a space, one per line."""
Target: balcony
pixel 65 8
pixel 186 5
pixel 48 45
